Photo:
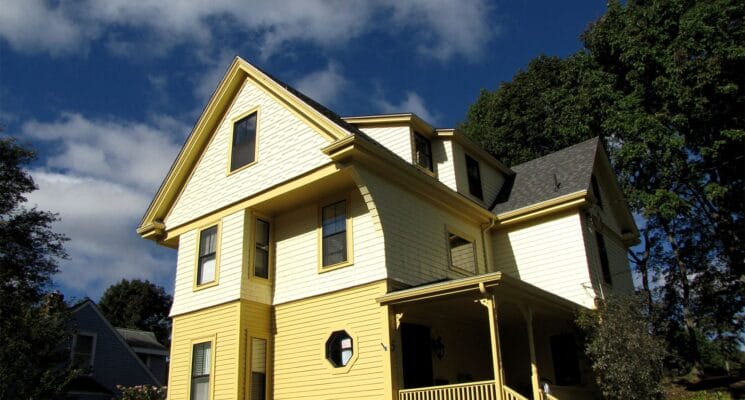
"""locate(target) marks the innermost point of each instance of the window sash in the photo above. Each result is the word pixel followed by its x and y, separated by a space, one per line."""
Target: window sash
pixel 200 370
pixel 261 249
pixel 423 151
pixel 207 255
pixel 243 151
pixel 462 253
pixel 474 177
pixel 334 233
pixel 258 369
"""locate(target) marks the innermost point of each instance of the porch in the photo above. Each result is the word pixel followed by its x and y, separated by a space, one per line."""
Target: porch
pixel 488 337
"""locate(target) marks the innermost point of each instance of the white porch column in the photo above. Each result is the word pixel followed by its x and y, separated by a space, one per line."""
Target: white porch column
pixel 491 305
pixel 528 314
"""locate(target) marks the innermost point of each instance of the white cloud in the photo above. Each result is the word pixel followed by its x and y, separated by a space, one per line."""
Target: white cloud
pixel 413 103
pixel 131 153
pixel 441 28
pixel 101 181
pixel 323 86
pixel 447 28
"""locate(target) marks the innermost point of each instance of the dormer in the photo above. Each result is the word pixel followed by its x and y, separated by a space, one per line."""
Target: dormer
pixel 445 154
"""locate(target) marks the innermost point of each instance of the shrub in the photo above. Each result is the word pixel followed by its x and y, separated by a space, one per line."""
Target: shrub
pixel 142 392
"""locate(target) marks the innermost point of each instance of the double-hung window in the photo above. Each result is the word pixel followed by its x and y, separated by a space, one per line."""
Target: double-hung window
pixel 82 350
pixel 474 177
pixel 261 249
pixel 200 371
pixel 334 234
pixel 243 150
pixel 207 263
pixel 422 151
pixel 462 253
pixel 258 369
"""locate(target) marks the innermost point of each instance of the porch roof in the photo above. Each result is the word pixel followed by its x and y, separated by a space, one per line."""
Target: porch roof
pixel 495 283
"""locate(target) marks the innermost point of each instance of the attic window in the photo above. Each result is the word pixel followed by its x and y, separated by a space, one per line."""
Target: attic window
pixel 422 151
pixel 474 177
pixel 243 149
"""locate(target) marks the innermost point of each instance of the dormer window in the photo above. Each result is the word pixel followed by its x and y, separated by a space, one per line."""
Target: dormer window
pixel 474 177
pixel 422 151
pixel 243 150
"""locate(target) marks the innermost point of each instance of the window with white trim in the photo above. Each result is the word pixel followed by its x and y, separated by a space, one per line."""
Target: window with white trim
pixel 261 249
pixel 207 263
pixel 474 177
pixel 201 360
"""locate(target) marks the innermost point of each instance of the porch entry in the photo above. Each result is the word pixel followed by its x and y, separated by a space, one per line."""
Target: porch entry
pixel 481 344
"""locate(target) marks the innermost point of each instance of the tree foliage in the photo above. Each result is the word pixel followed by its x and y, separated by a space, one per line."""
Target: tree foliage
pixel 138 304
pixel 33 322
pixel 662 82
pixel 617 329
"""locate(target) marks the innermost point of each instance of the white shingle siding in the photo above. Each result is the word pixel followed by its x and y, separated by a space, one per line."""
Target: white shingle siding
pixel 287 147
pixel 415 233
pixel 442 154
pixel 548 253
pixel 297 250
pixel 230 269
pixel 395 138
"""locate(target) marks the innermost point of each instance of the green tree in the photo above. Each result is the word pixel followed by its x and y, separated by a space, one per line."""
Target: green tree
pixel 34 324
pixel 626 358
pixel 662 82
pixel 138 304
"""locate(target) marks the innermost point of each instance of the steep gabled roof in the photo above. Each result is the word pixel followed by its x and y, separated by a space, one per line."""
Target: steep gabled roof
pixel 326 122
pixel 552 176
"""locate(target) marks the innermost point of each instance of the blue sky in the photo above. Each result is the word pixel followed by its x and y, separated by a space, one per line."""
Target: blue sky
pixel 107 91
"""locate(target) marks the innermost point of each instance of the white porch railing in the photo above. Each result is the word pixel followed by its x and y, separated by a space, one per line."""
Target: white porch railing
pixel 484 390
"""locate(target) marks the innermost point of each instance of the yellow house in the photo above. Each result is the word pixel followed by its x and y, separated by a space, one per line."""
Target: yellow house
pixel 377 257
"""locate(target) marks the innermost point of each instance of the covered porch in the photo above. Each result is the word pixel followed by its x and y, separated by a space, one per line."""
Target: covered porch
pixel 490 337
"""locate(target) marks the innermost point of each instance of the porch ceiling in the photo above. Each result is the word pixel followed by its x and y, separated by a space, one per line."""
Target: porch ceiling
pixel 503 287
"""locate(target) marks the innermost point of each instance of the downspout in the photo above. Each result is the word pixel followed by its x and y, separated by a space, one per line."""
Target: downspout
pixel 484 230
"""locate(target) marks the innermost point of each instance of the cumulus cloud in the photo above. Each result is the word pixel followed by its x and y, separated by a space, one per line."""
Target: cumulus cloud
pixel 100 181
pixel 441 28
pixel 323 86
pixel 412 103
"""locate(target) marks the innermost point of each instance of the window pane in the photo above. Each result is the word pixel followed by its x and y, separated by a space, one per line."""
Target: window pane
pixel 339 348
pixel 84 344
pixel 201 359
pixel 244 142
pixel 200 388
pixel 334 233
pixel 207 241
pixel 206 269
pixel 335 248
pixel 334 218
pixel 474 177
pixel 258 386
pixel 462 253
pixel 423 149
pixel 261 249
pixel 258 355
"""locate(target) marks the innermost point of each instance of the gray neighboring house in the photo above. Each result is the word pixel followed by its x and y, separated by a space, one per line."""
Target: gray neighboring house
pixel 112 356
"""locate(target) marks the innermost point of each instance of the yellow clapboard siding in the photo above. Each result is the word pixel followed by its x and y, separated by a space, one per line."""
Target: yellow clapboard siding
pixel 302 328
pixel 227 326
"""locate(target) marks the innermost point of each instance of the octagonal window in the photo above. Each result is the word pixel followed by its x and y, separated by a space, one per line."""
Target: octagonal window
pixel 339 349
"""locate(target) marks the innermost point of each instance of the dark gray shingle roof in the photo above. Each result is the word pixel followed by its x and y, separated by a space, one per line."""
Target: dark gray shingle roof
pixel 554 175
pixel 140 339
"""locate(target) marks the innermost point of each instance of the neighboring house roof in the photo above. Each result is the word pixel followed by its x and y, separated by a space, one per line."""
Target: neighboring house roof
pixel 554 175
pixel 142 341
pixel 115 332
